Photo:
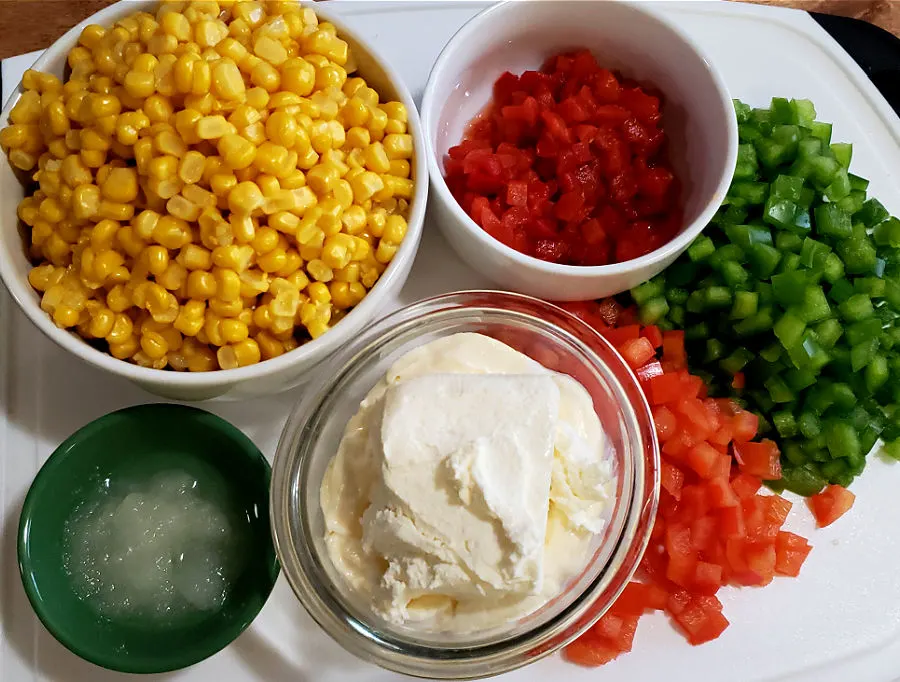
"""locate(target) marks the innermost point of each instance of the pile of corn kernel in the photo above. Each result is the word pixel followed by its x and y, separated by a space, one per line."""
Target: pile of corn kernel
pixel 211 189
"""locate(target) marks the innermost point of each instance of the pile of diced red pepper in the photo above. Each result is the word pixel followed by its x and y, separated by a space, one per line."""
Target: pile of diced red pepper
pixel 568 165
pixel 714 527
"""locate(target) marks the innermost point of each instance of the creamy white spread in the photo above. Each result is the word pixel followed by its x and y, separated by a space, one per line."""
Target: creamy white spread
pixel 468 488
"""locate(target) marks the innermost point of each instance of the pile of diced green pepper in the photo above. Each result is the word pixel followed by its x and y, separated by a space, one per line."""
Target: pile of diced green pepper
pixel 796 285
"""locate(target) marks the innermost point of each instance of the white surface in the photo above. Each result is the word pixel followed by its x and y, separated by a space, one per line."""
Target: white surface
pixel 641 43
pixel 277 374
pixel 839 621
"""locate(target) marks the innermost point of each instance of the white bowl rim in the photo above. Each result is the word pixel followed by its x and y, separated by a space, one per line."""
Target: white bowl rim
pixel 23 295
pixel 668 250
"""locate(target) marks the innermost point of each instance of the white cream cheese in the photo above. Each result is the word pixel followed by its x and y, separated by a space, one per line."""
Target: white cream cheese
pixel 468 487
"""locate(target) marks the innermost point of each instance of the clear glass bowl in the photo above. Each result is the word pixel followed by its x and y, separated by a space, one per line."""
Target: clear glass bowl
pixel 311 436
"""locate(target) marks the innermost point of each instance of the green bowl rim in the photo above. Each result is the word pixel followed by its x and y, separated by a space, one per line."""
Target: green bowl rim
pixel 175 662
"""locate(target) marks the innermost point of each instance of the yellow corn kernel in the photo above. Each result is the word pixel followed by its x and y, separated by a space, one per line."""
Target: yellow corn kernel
pixel 154 345
pixel 190 168
pixel 337 252
pixel 257 98
pixel 266 240
pixel 140 84
pixel 385 252
pixel 321 179
pixel 281 128
pixel 212 127
pixel 175 24
pixel 143 155
pixel 245 198
pixel 269 346
pixel 171 232
pixel 398 188
pixel 358 138
pixel 202 104
pixel 400 168
pixel 190 318
pixel 210 32
pixel 195 257
pixel 226 308
pixel 227 81
pixel 243 228
pixel 317 327
pixel 341 297
pixel 121 185
pixel 156 258
pixel 201 285
pixel 398 146
pixel 347 274
pixel 185 125
pixel 121 330
pixel 169 142
pixel 228 284
pixel 232 49
pixel 180 207
pixel 158 109
pixel 115 211
pixel 222 183
pixel 273 261
pixel 162 45
pixel 235 257
pixel 394 127
pixel 299 78
pixel 365 185
pixel 395 229
pixel 118 299
pixel 244 116
pixel 265 76
pixel 271 158
pixel 174 277
pixel 319 270
pixel 103 234
pixel 145 223
pixel 376 158
pixel 101 323
pixel 124 349
pixel 234 331
pixel 284 222
pixel 270 49
pixel 237 152
pixel 239 354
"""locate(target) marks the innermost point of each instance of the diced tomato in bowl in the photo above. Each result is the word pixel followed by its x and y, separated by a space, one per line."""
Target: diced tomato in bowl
pixel 604 156
pixel 610 129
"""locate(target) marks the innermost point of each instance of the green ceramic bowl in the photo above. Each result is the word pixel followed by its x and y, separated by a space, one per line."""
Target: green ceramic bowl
pixel 134 444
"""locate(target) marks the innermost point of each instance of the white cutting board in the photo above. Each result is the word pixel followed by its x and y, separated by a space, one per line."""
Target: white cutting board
pixel 839 622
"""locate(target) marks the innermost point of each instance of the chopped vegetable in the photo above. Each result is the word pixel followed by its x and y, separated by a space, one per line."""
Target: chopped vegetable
pixel 713 526
pixel 794 301
pixel 831 504
pixel 568 166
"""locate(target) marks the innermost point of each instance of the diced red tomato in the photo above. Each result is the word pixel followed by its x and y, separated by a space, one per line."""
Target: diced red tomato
pixel 830 504
pixel 637 352
pixel 596 147
pixel 790 552
pixel 713 527
pixel 759 459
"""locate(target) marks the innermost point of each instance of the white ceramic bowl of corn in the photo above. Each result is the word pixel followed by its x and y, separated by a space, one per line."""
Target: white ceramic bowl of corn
pixel 251 236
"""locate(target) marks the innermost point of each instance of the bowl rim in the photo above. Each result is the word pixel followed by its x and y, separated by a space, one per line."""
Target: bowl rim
pixel 483 659
pixel 429 111
pixel 69 448
pixel 355 320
